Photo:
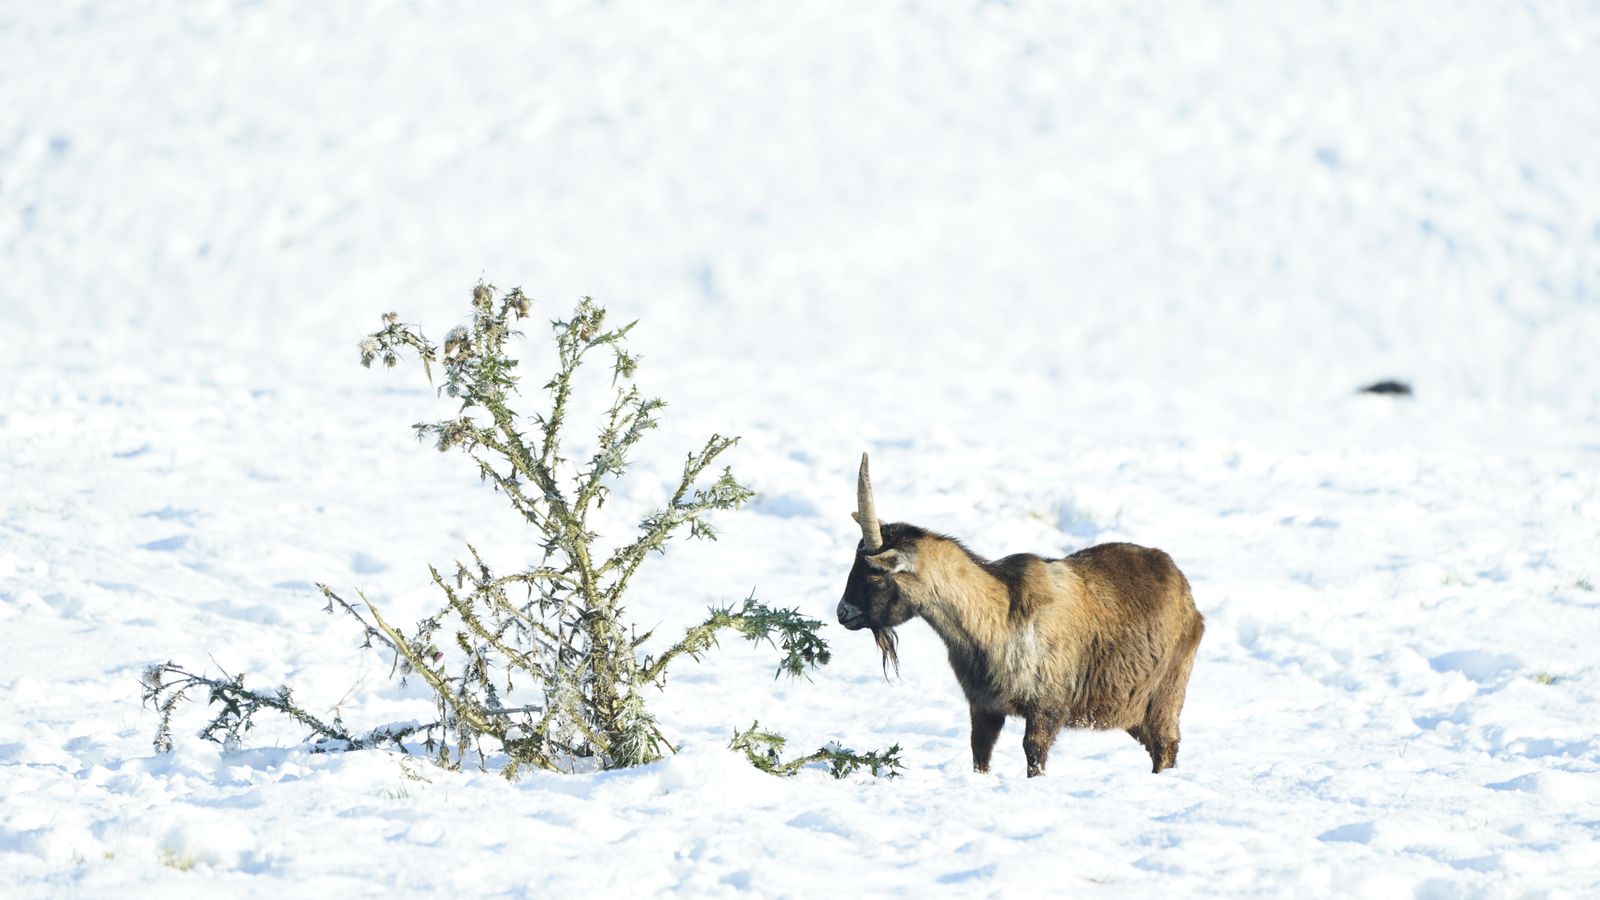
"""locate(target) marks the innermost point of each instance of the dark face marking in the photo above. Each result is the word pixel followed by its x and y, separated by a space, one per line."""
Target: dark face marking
pixel 873 600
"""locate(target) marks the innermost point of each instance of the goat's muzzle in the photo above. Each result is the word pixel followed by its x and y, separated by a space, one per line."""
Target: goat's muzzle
pixel 851 617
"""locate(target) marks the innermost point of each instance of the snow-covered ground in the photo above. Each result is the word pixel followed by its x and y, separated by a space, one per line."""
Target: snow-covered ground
pixel 1071 274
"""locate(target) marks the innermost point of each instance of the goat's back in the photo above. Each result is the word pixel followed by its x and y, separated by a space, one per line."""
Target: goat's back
pixel 1133 583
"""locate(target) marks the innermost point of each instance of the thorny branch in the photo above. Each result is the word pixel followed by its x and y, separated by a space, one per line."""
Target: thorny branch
pixel 764 750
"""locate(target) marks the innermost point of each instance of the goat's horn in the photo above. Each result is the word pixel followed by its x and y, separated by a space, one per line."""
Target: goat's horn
pixel 871 535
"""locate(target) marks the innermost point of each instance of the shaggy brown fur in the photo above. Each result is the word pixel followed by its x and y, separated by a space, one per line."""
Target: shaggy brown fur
pixel 1103 639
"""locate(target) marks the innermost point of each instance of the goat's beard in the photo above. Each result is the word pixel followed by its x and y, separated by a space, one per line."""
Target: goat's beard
pixel 887 643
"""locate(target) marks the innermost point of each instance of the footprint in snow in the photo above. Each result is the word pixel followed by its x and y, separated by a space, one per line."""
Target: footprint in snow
pixel 1477 665
pixel 1353 833
pixel 167 544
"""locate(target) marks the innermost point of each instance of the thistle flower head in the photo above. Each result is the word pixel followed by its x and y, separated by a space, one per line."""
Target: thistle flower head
pixel 482 296
pixel 369 350
pixel 455 343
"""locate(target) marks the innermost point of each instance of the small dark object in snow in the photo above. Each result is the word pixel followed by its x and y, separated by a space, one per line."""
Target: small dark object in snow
pixel 1398 388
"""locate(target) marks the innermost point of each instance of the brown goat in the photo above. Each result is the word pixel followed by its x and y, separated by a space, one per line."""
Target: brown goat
pixel 1102 639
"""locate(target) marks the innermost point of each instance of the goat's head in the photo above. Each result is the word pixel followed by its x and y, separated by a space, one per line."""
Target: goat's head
pixel 874 595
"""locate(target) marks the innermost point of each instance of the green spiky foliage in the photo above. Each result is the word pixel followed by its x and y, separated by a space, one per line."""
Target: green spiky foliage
pixel 764 749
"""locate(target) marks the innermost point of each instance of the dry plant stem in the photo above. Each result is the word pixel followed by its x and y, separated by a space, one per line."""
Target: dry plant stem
pixel 434 680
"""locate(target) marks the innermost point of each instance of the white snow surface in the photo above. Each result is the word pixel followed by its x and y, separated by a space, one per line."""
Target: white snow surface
pixel 1071 272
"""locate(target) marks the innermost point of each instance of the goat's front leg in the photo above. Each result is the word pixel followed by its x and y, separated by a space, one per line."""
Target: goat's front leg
pixel 986 726
pixel 1038 735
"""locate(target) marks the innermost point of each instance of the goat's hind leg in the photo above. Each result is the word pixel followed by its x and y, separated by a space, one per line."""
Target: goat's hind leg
pixel 1039 733
pixel 1159 732
pixel 1153 736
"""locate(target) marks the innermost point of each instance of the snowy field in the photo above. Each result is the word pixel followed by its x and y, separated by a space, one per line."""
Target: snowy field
pixel 1071 272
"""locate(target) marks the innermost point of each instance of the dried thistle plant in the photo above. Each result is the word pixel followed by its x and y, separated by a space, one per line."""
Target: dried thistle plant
pixel 537 667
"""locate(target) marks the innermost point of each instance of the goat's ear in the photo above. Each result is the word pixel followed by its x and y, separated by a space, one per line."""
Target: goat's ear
pixel 890 561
